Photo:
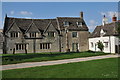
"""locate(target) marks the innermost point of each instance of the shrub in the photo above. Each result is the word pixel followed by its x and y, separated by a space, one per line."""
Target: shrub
pixel 100 45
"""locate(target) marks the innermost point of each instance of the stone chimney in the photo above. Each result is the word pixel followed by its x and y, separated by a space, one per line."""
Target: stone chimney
pixel 81 14
pixel 114 18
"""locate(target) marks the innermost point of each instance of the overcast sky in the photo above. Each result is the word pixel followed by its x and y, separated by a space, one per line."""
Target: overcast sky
pixel 93 11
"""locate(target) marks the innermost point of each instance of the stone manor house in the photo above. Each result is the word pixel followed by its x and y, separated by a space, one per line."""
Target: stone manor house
pixel 62 34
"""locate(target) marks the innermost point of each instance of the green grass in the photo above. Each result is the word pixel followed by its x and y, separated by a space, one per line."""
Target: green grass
pixel 37 57
pixel 104 68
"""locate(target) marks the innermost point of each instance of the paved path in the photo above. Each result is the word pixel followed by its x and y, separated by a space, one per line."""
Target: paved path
pixel 45 63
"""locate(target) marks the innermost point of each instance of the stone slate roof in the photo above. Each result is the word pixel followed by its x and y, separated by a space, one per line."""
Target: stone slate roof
pixel 41 24
pixel 72 23
pixel 110 29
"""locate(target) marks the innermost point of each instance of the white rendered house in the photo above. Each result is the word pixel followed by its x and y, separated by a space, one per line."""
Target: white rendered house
pixel 108 35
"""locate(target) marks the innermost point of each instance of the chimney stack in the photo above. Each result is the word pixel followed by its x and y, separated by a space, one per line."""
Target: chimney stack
pixel 81 14
pixel 114 18
pixel 104 20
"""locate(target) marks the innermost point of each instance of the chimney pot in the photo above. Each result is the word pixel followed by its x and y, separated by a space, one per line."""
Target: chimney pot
pixel 114 18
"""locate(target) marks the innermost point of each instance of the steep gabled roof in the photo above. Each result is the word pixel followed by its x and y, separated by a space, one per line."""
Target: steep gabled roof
pixel 50 25
pixel 32 26
pixel 13 23
pixel 41 24
pixel 110 30
pixel 72 23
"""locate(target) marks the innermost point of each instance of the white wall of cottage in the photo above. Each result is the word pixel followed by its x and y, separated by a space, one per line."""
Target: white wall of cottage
pixel 112 41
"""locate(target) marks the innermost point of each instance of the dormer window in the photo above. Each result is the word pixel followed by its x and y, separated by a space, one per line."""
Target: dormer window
pixel 79 24
pixel 66 23
pixel 32 34
pixel 14 34
pixel 102 33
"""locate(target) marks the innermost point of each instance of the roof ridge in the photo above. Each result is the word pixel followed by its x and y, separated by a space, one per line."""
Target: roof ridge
pixel 31 18
pixel 68 17
pixel 39 18
pixel 108 24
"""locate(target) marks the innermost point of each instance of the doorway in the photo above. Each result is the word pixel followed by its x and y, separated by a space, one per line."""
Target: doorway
pixel 117 49
pixel 75 47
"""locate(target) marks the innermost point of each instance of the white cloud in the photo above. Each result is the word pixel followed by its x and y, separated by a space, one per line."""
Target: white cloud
pixel 103 13
pixel 28 17
pixel 110 14
pixel 92 21
pixel 25 13
pixel 92 24
pixel 12 12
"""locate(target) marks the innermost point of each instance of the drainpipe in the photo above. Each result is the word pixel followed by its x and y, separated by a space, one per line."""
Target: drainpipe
pixel 5 44
pixel 95 47
pixel 59 43
pixel 67 43
pixel 34 45
pixel 118 47
pixel 110 43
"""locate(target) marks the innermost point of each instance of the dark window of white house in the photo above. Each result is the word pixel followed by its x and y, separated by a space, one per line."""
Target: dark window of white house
pixel 74 34
pixel 92 44
pixel 51 34
pixel 33 34
pixel 66 23
pixel 20 46
pixel 106 44
pixel 14 34
pixel 45 45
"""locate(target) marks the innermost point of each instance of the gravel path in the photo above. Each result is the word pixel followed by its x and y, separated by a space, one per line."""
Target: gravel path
pixel 46 63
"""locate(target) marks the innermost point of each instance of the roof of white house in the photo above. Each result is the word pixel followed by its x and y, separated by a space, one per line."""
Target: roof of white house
pixel 109 29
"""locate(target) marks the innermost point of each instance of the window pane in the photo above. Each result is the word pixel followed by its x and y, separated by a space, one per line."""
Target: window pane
pixel 32 34
pixel 16 46
pixel 11 35
pixel 51 34
pixel 40 46
pixel 74 34
pixel 106 44
pixel 91 44
pixel 45 45
pixel 16 34
pixel 66 23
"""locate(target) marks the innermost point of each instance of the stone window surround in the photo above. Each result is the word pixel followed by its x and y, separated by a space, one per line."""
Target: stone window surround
pixel 32 34
pixel 14 34
pixel 20 46
pixel 74 34
pixel 106 44
pixel 45 46
pixel 51 34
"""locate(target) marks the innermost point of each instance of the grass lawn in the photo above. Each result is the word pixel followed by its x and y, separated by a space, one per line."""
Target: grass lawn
pixel 104 68
pixel 37 57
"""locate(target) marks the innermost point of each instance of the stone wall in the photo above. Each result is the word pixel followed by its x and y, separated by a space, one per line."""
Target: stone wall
pixel 81 39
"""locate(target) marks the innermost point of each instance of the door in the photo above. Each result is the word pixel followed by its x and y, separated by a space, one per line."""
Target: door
pixel 117 49
pixel 75 47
